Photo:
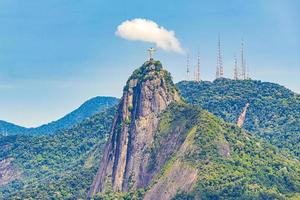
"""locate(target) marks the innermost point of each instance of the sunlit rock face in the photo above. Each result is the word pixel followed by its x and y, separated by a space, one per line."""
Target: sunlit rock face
pixel 147 93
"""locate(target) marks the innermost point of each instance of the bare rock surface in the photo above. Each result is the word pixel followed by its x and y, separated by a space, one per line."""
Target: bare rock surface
pixel 179 178
pixel 7 173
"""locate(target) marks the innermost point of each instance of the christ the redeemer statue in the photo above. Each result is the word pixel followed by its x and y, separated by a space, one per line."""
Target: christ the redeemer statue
pixel 151 52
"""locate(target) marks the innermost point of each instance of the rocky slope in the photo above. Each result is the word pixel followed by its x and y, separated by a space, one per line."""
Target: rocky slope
pixel 162 148
pixel 7 172
pixel 147 93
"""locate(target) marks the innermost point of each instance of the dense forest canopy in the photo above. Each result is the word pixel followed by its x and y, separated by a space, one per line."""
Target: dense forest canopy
pixel 273 114
pixel 57 166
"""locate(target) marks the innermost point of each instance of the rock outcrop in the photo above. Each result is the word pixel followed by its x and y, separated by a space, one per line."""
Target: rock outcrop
pixel 7 172
pixel 179 178
pixel 147 93
pixel 242 116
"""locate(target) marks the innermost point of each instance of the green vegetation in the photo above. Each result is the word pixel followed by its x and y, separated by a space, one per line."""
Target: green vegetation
pixel 111 195
pixel 273 115
pixel 252 169
pixel 231 163
pixel 59 166
pixel 149 71
pixel 168 138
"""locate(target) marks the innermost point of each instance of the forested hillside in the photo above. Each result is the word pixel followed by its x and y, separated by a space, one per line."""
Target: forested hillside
pixel 230 163
pixel 273 114
pixel 53 166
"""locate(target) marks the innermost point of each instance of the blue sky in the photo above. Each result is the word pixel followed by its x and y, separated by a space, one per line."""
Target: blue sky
pixel 55 54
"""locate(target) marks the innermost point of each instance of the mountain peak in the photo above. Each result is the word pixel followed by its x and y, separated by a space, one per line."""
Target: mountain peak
pixel 147 93
pixel 153 84
pixel 148 71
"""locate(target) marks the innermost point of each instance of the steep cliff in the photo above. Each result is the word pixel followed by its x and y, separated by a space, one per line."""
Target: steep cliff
pixel 147 93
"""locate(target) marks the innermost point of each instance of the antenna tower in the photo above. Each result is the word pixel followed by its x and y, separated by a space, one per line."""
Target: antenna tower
pixel 220 70
pixel 247 70
pixel 198 69
pixel 235 70
pixel 188 68
pixel 243 65
pixel 195 74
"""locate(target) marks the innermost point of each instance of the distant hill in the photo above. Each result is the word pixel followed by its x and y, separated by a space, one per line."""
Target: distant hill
pixel 274 112
pixel 56 166
pixel 87 109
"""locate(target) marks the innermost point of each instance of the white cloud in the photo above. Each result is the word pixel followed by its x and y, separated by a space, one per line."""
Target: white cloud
pixel 149 31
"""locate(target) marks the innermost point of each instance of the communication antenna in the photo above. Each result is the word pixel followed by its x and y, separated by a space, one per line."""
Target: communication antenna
pixel 198 69
pixel 243 66
pixel 220 69
pixel 247 70
pixel 235 70
pixel 188 68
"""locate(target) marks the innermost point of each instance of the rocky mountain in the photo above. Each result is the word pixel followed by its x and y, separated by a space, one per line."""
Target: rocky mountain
pixel 160 147
pixel 86 110
pixel 56 166
pixel 273 113
pixel 147 93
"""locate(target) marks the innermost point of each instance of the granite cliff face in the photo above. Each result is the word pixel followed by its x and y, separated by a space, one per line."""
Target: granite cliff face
pixel 146 95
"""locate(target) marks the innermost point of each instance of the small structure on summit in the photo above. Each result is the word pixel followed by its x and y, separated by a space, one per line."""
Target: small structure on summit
pixel 197 71
pixel 197 74
pixel 240 69
pixel 188 67
pixel 242 72
pixel 220 69
pixel 151 53
pixel 235 69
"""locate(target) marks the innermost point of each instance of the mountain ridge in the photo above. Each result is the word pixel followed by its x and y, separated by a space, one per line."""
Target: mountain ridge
pixel 85 110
